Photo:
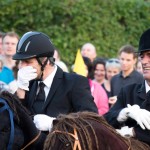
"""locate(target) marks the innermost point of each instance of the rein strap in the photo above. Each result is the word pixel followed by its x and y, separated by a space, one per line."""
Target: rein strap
pixel 75 136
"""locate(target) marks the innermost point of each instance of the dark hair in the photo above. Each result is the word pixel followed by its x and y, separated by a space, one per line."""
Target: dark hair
pixel 89 65
pixel 97 61
pixel 15 69
pixel 128 49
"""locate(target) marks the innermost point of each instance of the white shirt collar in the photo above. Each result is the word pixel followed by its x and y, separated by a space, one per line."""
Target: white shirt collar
pixel 48 81
pixel 147 86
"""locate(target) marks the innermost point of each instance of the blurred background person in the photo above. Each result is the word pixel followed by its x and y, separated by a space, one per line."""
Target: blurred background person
pixel 99 94
pixel 1 36
pixel 58 61
pixel 128 74
pixel 9 43
pixel 13 86
pixel 99 70
pixel 139 66
pixel 89 50
pixel 113 67
pixel 6 74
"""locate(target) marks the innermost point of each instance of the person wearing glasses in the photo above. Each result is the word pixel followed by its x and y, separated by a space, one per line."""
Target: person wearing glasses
pixel 112 68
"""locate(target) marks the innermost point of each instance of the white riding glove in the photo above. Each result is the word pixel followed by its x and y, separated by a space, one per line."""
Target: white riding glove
pixel 124 113
pixel 25 75
pixel 141 116
pixel 43 122
pixel 126 131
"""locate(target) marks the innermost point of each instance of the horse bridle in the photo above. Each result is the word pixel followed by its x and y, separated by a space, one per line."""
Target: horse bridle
pixel 75 136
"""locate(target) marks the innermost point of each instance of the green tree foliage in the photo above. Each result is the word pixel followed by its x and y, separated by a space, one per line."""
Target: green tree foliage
pixel 108 24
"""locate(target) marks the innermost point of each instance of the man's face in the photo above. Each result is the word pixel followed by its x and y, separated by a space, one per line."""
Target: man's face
pixel 88 51
pixel 31 62
pixel 145 60
pixel 9 45
pixel 127 61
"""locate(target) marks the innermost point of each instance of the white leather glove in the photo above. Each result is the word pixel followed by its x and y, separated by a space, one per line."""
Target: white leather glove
pixel 126 131
pixel 25 75
pixel 141 116
pixel 124 113
pixel 43 122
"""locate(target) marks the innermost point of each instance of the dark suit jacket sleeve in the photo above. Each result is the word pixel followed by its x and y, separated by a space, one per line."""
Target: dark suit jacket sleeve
pixel 112 114
pixel 142 135
pixel 82 100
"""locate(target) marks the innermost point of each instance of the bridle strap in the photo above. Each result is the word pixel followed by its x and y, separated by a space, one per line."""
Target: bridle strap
pixel 32 141
pixel 75 136
pixel 77 142
pixel 6 107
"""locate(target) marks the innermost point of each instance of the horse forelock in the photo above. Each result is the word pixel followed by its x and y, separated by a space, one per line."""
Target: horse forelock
pixel 82 122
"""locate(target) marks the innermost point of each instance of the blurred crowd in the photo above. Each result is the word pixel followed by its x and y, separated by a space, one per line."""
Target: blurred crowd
pixel 106 75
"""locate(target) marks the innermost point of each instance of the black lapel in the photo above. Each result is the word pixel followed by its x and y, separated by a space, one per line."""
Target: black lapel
pixel 55 84
pixel 32 94
pixel 142 92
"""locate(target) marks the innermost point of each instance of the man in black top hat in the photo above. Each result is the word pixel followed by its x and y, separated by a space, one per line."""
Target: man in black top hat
pixel 131 113
pixel 43 87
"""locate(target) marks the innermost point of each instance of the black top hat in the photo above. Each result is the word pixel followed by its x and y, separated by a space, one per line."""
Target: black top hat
pixel 144 43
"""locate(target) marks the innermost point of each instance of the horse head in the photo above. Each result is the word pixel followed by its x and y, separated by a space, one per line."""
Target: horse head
pixel 84 130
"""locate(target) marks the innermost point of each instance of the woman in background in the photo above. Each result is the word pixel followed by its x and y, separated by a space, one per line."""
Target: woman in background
pixel 99 94
pixel 112 68
pixel 99 70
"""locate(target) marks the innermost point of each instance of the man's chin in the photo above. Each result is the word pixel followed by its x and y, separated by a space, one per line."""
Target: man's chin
pixel 146 76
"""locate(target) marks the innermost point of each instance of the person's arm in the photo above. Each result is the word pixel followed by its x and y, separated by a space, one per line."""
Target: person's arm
pixel 142 135
pixel 112 114
pixel 82 100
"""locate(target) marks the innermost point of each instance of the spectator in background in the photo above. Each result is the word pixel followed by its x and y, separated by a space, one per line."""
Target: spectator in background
pixel 1 36
pixel 99 70
pixel 112 68
pixel 58 61
pixel 130 115
pixel 9 43
pixel 89 50
pixel 13 86
pixel 128 74
pixel 6 74
pixel 99 94
pixel 139 66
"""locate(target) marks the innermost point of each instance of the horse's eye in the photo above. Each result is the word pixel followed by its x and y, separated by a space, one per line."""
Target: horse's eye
pixel 67 144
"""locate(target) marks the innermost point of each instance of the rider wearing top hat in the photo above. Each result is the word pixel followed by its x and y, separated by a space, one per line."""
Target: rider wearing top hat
pixel 131 113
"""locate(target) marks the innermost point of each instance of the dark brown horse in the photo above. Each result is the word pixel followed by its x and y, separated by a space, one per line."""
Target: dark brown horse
pixel 17 130
pixel 87 131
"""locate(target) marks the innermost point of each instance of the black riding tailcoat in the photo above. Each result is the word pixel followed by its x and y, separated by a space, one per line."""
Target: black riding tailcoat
pixel 131 94
pixel 68 93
